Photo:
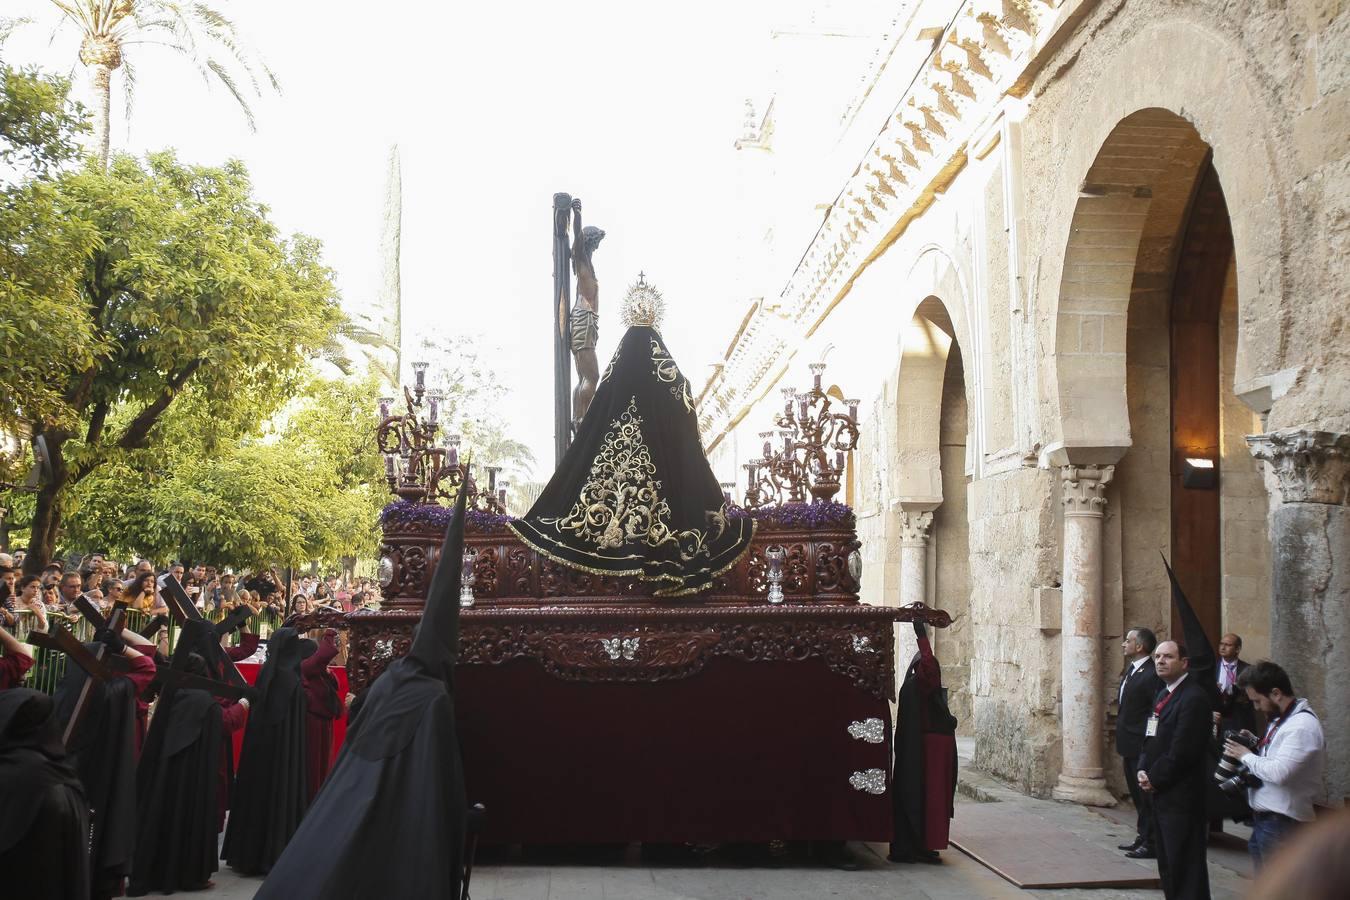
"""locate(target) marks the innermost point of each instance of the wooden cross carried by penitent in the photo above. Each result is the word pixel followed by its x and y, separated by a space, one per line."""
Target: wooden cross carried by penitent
pixel 93 663
pixel 183 609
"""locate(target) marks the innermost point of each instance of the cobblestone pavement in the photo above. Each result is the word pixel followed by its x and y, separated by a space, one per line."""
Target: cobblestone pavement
pixel 624 874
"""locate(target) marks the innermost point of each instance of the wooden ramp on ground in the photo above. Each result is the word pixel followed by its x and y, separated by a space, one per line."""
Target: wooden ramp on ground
pixel 1033 852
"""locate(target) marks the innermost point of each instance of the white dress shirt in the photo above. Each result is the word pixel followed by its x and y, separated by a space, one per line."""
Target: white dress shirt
pixel 1134 668
pixel 1290 766
pixel 1227 676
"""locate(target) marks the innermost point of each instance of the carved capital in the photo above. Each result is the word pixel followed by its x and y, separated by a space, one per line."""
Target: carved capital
pixel 915 526
pixel 1312 466
pixel 1084 489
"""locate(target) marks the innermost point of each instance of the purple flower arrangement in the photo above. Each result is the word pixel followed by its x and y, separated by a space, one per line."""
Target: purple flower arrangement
pixel 402 514
pixel 798 516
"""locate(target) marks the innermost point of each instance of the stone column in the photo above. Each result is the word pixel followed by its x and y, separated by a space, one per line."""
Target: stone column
pixel 1310 590
pixel 1082 713
pixel 914 528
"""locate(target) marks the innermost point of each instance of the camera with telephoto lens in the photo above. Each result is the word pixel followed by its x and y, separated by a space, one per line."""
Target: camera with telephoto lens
pixel 1230 776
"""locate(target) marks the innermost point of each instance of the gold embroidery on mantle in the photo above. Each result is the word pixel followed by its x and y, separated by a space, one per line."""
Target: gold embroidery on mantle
pixel 621 501
pixel 664 368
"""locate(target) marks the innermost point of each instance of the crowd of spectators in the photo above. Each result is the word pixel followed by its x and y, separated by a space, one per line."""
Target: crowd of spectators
pixel 105 582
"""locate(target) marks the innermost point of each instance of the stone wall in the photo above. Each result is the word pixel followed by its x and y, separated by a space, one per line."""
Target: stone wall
pixel 1033 183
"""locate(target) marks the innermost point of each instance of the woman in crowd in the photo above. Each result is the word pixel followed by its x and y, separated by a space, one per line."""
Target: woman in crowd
pixel 140 592
pixel 112 592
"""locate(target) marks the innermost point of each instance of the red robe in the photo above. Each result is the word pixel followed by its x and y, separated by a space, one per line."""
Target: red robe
pixel 233 717
pixel 322 701
pixel 12 667
pixel 142 672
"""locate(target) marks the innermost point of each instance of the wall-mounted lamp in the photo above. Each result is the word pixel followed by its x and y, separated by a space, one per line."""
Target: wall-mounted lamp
pixel 1199 473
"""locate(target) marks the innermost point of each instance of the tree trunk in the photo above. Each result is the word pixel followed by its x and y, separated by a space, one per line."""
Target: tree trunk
pixel 102 81
pixel 47 517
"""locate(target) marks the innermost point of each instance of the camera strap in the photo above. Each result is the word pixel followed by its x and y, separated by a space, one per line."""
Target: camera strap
pixel 1275 725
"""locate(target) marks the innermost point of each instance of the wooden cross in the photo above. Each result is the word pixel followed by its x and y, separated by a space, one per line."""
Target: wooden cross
pixel 182 609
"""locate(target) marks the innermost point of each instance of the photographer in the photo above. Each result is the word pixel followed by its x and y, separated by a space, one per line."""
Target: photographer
pixel 1288 762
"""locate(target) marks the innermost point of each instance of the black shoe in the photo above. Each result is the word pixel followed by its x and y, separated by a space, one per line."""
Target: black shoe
pixel 1142 853
pixel 1131 846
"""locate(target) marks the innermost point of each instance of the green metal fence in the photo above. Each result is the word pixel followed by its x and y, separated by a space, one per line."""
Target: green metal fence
pixel 49 666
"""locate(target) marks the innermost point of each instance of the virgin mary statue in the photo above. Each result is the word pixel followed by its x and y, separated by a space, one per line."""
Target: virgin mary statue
pixel 634 495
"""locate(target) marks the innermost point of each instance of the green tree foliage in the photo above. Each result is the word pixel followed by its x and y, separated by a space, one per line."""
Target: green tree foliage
pixel 310 488
pixel 163 276
pixel 41 249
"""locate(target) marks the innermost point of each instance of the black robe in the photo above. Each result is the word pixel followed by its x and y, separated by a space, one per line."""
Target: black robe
pixel 923 784
pixel 176 848
pixel 390 819
pixel 269 791
pixel 104 752
pixel 634 494
pixel 44 821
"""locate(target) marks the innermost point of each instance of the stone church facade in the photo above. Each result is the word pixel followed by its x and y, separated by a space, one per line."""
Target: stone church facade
pixel 1088 280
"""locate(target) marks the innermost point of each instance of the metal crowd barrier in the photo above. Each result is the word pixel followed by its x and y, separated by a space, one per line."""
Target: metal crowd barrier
pixel 49 666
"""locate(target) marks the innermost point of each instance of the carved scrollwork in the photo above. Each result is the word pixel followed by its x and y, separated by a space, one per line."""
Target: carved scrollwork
pixel 414 570
pixel 519 571
pixel 672 642
pixel 485 572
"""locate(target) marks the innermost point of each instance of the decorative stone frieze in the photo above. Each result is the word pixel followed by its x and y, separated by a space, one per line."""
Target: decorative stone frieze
pixel 980 59
pixel 1311 466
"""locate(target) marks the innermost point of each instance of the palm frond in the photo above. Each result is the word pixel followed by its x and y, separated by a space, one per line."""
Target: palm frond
pixel 228 80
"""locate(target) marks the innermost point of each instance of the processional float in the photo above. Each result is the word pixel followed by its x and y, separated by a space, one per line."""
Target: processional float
pixel 642 658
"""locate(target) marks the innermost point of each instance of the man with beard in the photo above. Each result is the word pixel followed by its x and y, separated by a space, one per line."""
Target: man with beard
pixel 269 792
pixel 176 780
pixel 321 696
pixel 103 748
pixel 399 764
pixel 45 820
pixel 924 781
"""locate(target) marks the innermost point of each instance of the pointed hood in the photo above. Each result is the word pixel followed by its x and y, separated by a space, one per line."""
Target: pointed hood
pixel 1199 650
pixel 435 645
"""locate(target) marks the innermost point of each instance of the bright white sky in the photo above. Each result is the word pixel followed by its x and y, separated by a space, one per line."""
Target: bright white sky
pixel 634 107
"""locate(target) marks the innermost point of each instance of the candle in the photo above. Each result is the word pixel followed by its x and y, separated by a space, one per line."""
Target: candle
pixel 801 399
pixel 385 403
pixel 420 372
pixel 839 460
pixel 816 371
pixel 852 411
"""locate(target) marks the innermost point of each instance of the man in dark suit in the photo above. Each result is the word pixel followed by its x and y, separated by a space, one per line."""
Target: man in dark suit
pixel 1235 710
pixel 1173 770
pixel 1139 687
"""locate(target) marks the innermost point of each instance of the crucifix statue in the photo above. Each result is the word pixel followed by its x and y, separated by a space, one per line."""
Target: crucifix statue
pixel 585 320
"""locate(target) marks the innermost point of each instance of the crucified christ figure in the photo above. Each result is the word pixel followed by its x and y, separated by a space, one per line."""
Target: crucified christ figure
pixel 585 315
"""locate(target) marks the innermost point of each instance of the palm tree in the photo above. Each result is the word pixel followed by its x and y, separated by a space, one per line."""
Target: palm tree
pixel 374 348
pixel 109 27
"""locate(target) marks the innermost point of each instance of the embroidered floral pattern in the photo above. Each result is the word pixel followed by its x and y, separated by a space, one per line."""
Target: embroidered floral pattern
pixel 664 368
pixel 621 501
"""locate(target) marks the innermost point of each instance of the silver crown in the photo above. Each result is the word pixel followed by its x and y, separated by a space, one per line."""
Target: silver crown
pixel 643 305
